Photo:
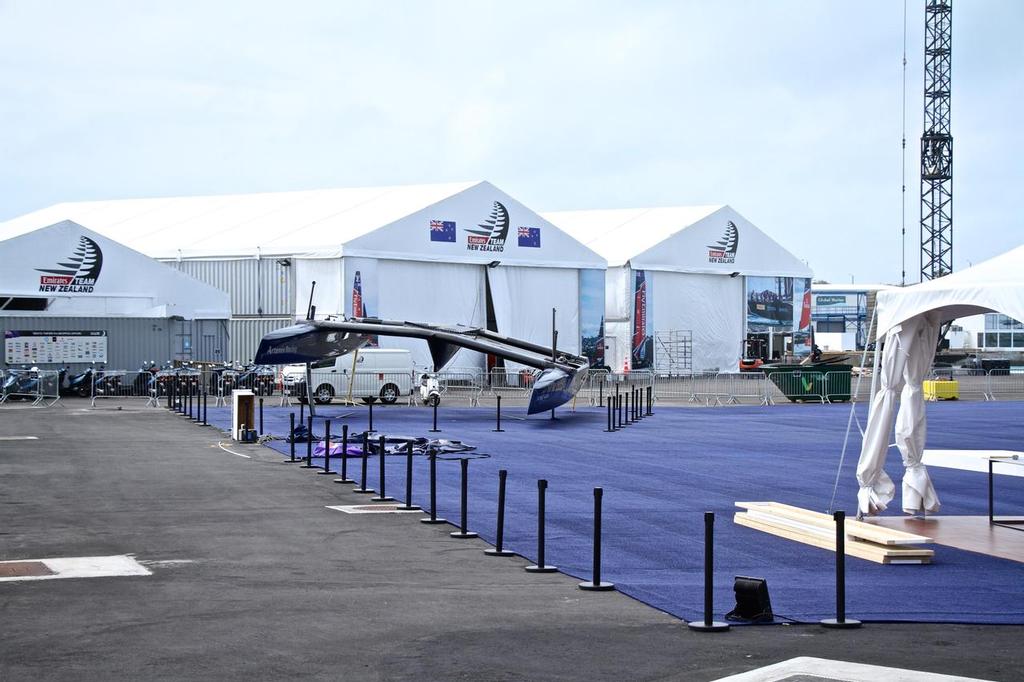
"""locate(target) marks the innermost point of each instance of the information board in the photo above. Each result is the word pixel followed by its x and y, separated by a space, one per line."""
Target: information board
pixel 56 347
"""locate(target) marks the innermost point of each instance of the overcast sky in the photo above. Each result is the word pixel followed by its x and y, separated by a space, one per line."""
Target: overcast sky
pixel 789 110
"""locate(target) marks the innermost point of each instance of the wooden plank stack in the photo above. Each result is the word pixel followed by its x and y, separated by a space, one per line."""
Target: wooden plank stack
pixel 863 540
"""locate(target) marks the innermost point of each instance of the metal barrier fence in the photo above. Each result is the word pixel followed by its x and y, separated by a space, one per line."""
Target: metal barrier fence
pixel 41 386
pixel 470 386
pixel 119 383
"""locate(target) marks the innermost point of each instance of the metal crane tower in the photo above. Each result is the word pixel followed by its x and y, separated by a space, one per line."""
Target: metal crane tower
pixel 937 144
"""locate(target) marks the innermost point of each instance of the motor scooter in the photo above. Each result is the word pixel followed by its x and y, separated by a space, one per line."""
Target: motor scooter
pixel 430 390
pixel 81 383
pixel 21 384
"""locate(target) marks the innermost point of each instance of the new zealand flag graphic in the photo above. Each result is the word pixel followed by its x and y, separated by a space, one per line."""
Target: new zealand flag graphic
pixel 529 236
pixel 442 230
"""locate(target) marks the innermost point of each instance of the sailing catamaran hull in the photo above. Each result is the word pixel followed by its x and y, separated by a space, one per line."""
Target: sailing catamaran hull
pixel 313 340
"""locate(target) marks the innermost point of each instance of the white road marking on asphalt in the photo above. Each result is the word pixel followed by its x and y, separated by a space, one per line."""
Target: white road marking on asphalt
pixel 167 563
pixel 84 567
pixel 237 454
pixel 19 437
pixel 373 509
pixel 826 669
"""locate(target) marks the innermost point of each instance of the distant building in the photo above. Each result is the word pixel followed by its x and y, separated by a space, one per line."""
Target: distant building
pixel 1001 333
pixel 841 314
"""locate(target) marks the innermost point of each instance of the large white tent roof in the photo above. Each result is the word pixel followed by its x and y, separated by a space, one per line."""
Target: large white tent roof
pixel 86 274
pixel 678 239
pixel 995 285
pixel 276 223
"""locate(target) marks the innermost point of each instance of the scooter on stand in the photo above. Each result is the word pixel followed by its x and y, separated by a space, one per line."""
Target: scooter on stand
pixel 430 390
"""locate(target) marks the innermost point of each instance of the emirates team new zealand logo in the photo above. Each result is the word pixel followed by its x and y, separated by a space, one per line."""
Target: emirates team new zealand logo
pixel 492 233
pixel 78 273
pixel 725 250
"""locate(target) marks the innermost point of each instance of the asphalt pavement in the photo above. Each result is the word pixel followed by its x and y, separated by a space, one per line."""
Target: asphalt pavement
pixel 254 578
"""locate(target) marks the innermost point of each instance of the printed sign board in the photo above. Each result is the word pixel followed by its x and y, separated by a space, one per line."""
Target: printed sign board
pixel 54 347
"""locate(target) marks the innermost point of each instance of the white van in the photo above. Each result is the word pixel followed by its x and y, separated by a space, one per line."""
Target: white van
pixel 380 373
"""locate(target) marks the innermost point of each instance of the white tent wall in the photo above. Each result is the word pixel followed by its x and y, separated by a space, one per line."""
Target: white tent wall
pixel 523 299
pixel 687 250
pixel 468 212
pixel 444 293
pixel 616 340
pixel 709 306
pixel 329 296
pixel 618 310
pixel 618 294
pixel 89 274
pixel 909 318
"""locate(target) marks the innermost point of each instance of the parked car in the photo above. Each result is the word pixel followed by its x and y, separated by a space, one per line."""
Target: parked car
pixel 379 373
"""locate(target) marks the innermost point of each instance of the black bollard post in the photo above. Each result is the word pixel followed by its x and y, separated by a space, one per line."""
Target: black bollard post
pixel 370 428
pixel 302 408
pixel 188 402
pixel 638 404
pixel 625 397
pixel 600 394
pixel 618 410
pixel 362 486
pixel 462 533
pixel 309 444
pixel 291 438
pixel 433 490
pixel 595 584
pixel 709 625
pixel 204 409
pixel 382 497
pixel 540 566
pixel 840 621
pixel 499 546
pixel 435 429
pixel 610 426
pixel 650 400
pixel 344 456
pixel 261 416
pixel 169 387
pixel 408 506
pixel 497 417
pixel 327 449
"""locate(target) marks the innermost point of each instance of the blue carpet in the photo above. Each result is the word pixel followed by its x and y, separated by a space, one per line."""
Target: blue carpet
pixel 661 474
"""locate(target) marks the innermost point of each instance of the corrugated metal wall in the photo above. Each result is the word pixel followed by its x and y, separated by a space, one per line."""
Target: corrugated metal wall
pixel 246 334
pixel 257 286
pixel 133 341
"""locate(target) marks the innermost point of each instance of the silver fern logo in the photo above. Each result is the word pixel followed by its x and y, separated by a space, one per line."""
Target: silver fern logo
pixel 724 251
pixel 77 274
pixel 491 233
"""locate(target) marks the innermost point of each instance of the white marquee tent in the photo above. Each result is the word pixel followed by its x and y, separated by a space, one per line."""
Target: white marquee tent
pixel 910 319
pixel 81 273
pixel 427 253
pixel 679 268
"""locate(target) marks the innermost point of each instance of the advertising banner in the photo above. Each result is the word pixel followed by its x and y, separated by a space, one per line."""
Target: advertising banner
pixel 642 343
pixel 63 347
pixel 801 316
pixel 592 316
pixel 363 290
pixel 769 303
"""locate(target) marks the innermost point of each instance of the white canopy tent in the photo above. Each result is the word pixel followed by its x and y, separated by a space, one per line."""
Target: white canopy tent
pixel 694 262
pixel 82 273
pixel 909 319
pixel 429 253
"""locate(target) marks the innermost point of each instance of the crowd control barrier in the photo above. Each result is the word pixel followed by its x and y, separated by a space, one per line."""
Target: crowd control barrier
pixel 40 386
pixel 119 383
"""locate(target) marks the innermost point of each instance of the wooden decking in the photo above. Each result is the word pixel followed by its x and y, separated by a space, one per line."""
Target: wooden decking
pixel 972 533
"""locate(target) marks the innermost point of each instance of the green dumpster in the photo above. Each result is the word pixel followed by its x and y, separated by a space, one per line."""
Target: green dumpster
pixel 823 382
